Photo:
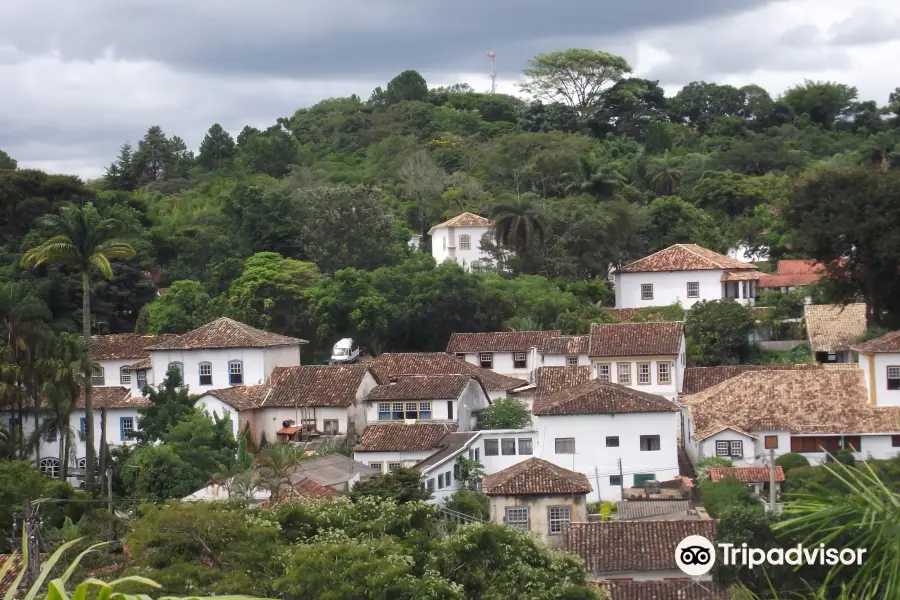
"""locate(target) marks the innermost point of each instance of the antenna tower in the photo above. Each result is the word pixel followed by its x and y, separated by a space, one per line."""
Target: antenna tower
pixel 493 55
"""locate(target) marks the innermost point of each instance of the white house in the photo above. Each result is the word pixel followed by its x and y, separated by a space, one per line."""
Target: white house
pixel 646 356
pixel 879 360
pixel 418 398
pixel 511 353
pixel 616 436
pixel 755 478
pixel 389 446
pixel 388 365
pixel 459 240
pixel 115 354
pixel 565 351
pixel 687 274
pixel 801 410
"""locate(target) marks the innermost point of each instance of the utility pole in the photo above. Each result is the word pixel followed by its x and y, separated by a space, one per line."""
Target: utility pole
pixel 597 479
pixel 621 480
pixel 109 504
pixel 772 480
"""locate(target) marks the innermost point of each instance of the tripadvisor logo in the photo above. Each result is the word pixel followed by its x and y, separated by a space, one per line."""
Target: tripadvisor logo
pixel 695 555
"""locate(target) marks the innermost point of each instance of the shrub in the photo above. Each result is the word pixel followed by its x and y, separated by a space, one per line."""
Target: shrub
pixel 721 496
pixel 710 462
pixel 791 460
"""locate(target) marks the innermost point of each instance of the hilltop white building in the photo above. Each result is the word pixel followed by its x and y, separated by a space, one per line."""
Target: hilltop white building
pixel 459 240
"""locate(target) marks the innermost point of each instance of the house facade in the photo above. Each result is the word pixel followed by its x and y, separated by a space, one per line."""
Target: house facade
pixel 832 329
pixel 511 353
pixel 115 354
pixel 879 360
pixel 389 446
pixel 685 274
pixel 459 240
pixel 427 398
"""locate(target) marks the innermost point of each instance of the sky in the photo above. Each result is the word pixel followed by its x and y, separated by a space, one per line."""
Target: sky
pixel 79 78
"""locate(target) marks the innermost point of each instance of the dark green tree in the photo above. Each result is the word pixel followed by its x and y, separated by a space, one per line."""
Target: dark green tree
pixel 718 332
pixel 505 413
pixel 519 222
pixel 170 403
pixel 823 101
pixel 400 485
pixel 217 150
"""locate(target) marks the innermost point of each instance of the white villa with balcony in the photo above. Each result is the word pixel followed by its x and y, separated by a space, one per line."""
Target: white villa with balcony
pixel 459 240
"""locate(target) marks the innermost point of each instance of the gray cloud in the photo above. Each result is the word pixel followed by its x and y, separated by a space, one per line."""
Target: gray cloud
pixel 867 25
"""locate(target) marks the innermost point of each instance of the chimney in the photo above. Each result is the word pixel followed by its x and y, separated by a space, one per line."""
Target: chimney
pixel 393 379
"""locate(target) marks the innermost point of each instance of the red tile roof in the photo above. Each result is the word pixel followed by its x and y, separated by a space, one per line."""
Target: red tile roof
pixel 636 339
pixel 466 219
pixel 113 397
pixel 600 398
pixel 499 341
pixel 396 437
pixel 305 488
pixel 745 474
pixel 646 314
pixel 226 333
pixel 697 379
pixel 125 345
pixel 742 275
pixel 682 589
pixel 684 257
pixel 422 387
pixel 791 273
pixel 887 343
pixel 241 397
pixel 439 363
pixel 565 344
pixel 554 379
pixel 616 546
pixel 833 327
pixel 313 385
pixel 535 477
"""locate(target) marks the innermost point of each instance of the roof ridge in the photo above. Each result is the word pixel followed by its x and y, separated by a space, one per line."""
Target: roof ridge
pixel 706 258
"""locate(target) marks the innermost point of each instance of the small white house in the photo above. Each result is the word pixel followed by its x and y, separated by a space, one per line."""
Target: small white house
pixel 646 356
pixel 616 436
pixel 809 411
pixel 423 398
pixel 511 353
pixel 389 446
pixel 685 274
pixel 879 360
pixel 459 240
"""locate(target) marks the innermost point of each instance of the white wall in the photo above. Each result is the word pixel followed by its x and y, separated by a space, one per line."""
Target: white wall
pixel 465 408
pixel 408 459
pixel 112 372
pixel 254 361
pixel 280 356
pixel 495 464
pixel 559 360
pixel 594 459
pixel 445 245
pixel 503 363
pixel 668 288
pixel 882 396
pixel 270 420
pixel 215 407
pixel 668 390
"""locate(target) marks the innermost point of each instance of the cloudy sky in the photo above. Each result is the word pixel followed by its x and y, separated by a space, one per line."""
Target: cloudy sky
pixel 79 77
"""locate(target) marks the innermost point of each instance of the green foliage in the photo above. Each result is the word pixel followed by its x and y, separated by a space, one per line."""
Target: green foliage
pixel 801 354
pixel 822 101
pixel 400 485
pixel 791 460
pixel 183 306
pixel 721 496
pixel 505 413
pixel 469 502
pixel 717 332
pixel 710 462
pixel 170 403
pixel 575 77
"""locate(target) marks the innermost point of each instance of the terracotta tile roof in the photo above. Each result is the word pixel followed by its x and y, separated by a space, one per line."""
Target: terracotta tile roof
pixel 240 397
pixel 395 437
pixel 792 273
pixel 808 401
pixel 450 444
pixel 565 344
pixel 439 363
pixel 643 509
pixel 617 546
pixel 535 477
pixel 422 387
pixel 684 257
pixel 113 397
pixel 143 364
pixel 636 339
pixel 887 343
pixel 743 275
pixel 554 379
pixel 832 327
pixel 640 315
pixel 697 379
pixel 466 219
pixel 313 385
pixel 226 333
pixel 600 398
pixel 303 489
pixel 682 589
pixel 125 345
pixel 746 474
pixel 499 341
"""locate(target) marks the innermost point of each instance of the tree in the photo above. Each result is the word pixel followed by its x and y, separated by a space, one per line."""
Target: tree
pixel 674 221
pixel 86 240
pixel 823 101
pixel 7 162
pixel 663 177
pixel 183 306
pixel 699 103
pixel 274 465
pixel 704 465
pixel 422 181
pixel 720 497
pixel 519 222
pixel 400 485
pixel 791 460
pixel 882 149
pixel 407 86
pixel 217 150
pixel 154 157
pixel 170 404
pixel 505 413
pixel 271 292
pixel 718 332
pixel 576 77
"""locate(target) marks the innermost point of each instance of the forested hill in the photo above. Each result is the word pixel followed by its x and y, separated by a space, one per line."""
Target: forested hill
pixel 304 227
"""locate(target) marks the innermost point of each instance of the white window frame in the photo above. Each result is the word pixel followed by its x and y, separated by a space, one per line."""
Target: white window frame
pixel 235 368
pixel 520 357
pixel 646 291
pixel 627 371
pixel 486 357
pixel 526 443
pixel 695 293
pixel 337 427
pixel 378 465
pixel 557 518
pixel 739 444
pixel 649 438
pixel 571 361
pixel 465 242
pixel 896 376
pixel 50 466
pixel 125 376
pixel 732 448
pixel 663 372
pixel 608 368
pixel 518 517
pixel 723 448
pixel 201 374
pixel 125 430
pixel 641 379
pixel 394 465
pixel 563 445
pixel 98 376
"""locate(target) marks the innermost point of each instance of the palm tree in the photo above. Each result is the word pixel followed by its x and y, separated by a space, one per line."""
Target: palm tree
pixel 518 222
pixel 274 466
pixel 663 177
pixel 87 241
pixel 879 148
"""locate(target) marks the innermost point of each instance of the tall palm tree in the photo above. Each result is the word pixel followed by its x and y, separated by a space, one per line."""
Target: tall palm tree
pixel 663 177
pixel 86 240
pixel 519 222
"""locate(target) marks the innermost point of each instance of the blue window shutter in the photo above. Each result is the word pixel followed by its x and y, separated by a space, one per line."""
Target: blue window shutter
pixel 83 421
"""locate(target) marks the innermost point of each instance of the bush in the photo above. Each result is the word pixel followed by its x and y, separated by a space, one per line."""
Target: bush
pixel 722 496
pixel 710 462
pixel 791 460
pixel 505 413
pixel 474 504
pixel 842 456
pixel 718 332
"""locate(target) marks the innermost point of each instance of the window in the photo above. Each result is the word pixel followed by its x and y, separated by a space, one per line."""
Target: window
pixel 508 446
pixel 384 411
pixel 771 442
pixel 376 465
pixel 641 478
pixel 461 355
pixel 486 359
pixel 97 377
pixel 440 481
pixel 465 242
pixel 624 373
pixel 643 370
pixel 693 289
pixel 565 445
pixel 235 372
pixel 83 425
pixel 126 428
pixel 332 427
pixel 520 360
pixel 825 443
pixel 615 480
pixel 663 373
pixel 205 373
pixel 572 361
pixel 646 291
pixel 722 448
pixel 737 449
pixel 81 463
pixel 178 366
pixel 475 454
pixel 448 477
pixel 125 376
pixel 49 467
pixel 895 441
pixel 49 431
pixel 730 448
pixel 612 441
pixel 393 466
pixel 893 377
pixel 491 448
pixel 517 516
pixel 558 517
pixel 525 446
pixel 649 443
pixel 449 410
pixel 399 411
pixel 142 379
pixel 603 372
pixel 430 485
